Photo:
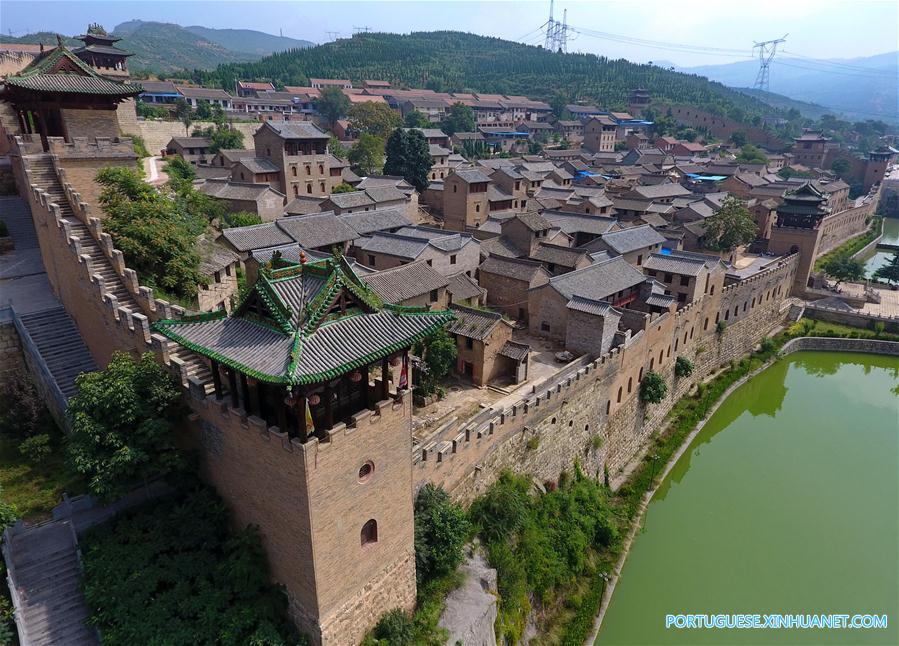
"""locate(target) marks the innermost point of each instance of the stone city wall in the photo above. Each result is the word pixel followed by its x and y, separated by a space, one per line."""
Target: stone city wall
pixel 549 430
pixel 157 134
pixel 827 344
pixel 839 227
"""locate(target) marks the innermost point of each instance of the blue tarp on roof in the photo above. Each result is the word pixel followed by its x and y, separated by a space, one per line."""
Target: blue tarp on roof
pixel 706 178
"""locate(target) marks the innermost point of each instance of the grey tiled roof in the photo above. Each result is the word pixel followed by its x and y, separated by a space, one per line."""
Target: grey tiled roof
pixel 228 190
pixel 659 300
pixel 500 246
pixel 308 346
pixel 516 268
pixel 213 256
pixel 381 194
pixel 534 221
pixel 258 165
pixel 192 142
pixel 515 351
pixel 558 255
pixel 599 281
pixel 438 151
pixel 673 264
pixel 429 133
pixel 318 229
pixel 633 238
pixel 304 205
pixel 366 222
pixel 497 194
pixel 297 130
pixel 660 191
pixel 471 176
pixel 257 236
pixel 579 223
pixel 590 306
pixel 404 282
pixel 462 286
pixel 393 244
pixel 350 200
pixel 473 323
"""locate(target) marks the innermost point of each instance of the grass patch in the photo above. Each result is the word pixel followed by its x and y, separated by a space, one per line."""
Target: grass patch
pixel 810 327
pixel 35 489
pixel 852 246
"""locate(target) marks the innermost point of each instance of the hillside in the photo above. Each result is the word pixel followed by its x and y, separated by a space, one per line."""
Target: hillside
pixel 860 88
pixel 164 47
pixel 455 61
pixel 248 41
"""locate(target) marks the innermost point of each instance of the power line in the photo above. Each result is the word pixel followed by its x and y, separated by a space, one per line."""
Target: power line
pixel 838 65
pixel 673 47
pixel 826 71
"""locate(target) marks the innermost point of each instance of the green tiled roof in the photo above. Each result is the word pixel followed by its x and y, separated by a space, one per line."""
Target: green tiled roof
pixel 43 75
pixel 300 338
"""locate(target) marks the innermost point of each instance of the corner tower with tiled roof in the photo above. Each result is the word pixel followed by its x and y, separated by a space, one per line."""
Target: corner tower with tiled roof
pixel 305 338
pixel 59 95
pixel 100 52
pixel 308 435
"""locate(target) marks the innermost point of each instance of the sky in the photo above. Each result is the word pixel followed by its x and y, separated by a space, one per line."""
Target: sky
pixel 816 28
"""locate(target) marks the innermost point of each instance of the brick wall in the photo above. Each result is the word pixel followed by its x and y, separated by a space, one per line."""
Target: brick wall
pixel 11 358
pixel 564 416
pixel 157 134
pixel 102 123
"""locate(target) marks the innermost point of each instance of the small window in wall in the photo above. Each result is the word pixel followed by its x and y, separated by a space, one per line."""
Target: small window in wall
pixel 217 276
pixel 452 259
pixel 309 188
pixel 455 188
pixel 640 259
pixel 366 470
pixel 322 188
pixel 477 208
pixel 369 533
pixel 668 278
pixel 294 169
pixel 296 190
pixel 433 296
pixel 371 260
pixel 684 281
pixel 469 343
pixel 630 383
pixel 544 326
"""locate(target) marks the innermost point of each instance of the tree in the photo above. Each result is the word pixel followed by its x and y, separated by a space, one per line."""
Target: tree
pixel 408 156
pixel 439 352
pixel 226 138
pixel 337 149
pixel 332 104
pixel 416 119
pixel 738 139
pixel 343 187
pixel 367 155
pixel 460 118
pixel 179 170
pixel 844 268
pixel 890 271
pixel 123 421
pixel 750 154
pixel 184 114
pixel 841 166
pixel 653 388
pixel 240 219
pixel 377 119
pixel 157 233
pixel 730 227
pixel 203 111
pixel 441 529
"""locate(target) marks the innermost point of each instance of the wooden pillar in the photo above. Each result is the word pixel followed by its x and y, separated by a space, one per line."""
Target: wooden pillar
pixel 329 407
pixel 385 373
pixel 244 393
pixel 216 378
pixel 367 394
pixel 301 414
pixel 232 386
pixel 282 412
pixel 262 395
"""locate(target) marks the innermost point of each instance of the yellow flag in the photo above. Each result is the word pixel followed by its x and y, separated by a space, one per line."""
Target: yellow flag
pixel 310 425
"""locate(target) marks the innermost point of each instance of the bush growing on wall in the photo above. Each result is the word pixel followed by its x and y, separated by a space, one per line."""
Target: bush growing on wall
pixel 441 529
pixel 683 367
pixel 653 388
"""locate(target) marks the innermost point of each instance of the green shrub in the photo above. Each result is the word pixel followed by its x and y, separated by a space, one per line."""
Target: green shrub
pixel 441 529
pixel 394 629
pixel 683 367
pixel 8 513
pixel 720 326
pixel 171 572
pixel 540 543
pixel 767 345
pixel 240 219
pixel 36 448
pixel 140 146
pixel 20 406
pixel 653 388
pixel 532 443
pixel 123 421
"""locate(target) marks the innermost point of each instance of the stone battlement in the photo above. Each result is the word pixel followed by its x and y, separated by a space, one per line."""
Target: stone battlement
pixel 92 148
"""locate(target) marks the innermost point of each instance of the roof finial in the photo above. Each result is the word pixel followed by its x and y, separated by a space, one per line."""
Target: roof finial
pixel 302 257
pixel 59 40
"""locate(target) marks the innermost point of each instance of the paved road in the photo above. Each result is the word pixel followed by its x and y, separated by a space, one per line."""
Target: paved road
pixel 153 171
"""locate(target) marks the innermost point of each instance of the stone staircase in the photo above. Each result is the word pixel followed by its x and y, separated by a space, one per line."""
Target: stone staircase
pixel 190 366
pixel 45 572
pixel 59 344
pixel 44 176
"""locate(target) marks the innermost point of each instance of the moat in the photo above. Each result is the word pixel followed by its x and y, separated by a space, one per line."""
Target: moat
pixel 786 502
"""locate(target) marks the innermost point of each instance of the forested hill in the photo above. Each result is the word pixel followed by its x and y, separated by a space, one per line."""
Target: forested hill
pixel 454 61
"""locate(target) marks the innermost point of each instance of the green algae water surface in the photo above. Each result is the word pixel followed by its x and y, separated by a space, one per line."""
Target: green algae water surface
pixel 786 502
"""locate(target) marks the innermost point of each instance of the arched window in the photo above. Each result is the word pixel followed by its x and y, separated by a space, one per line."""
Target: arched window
pixel 369 532
pixel 620 389
pixel 366 470
pixel 630 383
pixel 661 356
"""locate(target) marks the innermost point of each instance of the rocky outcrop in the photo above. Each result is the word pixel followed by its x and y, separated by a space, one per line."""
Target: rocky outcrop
pixel 470 612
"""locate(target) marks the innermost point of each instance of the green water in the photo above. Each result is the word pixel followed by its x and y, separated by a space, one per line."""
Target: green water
pixel 786 502
pixel 881 257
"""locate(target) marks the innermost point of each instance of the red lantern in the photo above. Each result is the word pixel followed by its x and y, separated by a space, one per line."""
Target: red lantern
pixel 356 377
pixel 395 362
pixel 314 400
